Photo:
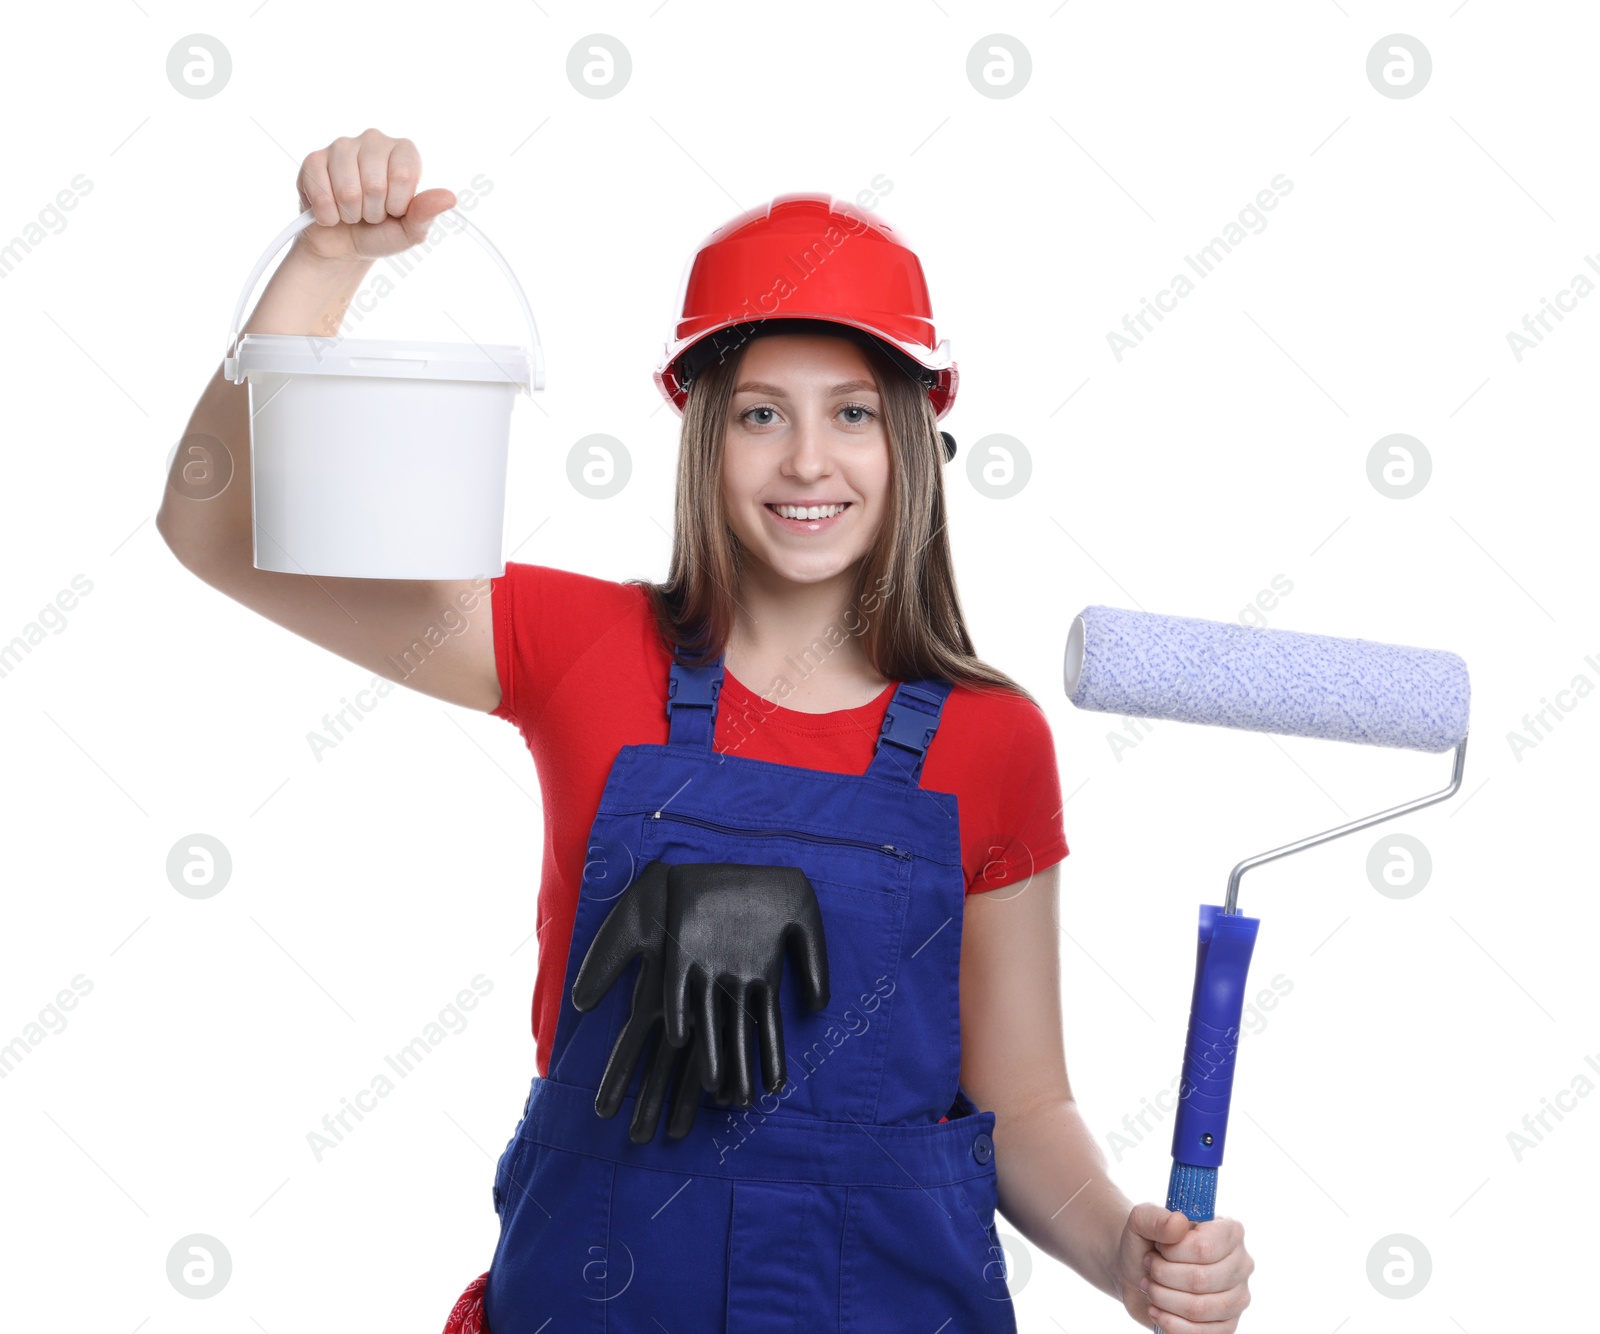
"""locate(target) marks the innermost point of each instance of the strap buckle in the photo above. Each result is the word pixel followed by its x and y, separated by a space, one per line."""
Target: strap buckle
pixel 695 687
pixel 908 726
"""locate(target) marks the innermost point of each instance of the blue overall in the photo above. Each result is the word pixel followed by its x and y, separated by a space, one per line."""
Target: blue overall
pixel 840 1203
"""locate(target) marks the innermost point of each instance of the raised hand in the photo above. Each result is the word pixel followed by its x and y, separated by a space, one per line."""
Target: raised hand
pixel 362 194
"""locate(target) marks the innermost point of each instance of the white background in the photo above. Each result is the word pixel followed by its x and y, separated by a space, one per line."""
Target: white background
pixel 1229 448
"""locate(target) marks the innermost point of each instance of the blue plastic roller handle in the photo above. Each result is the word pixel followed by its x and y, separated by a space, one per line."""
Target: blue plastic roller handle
pixel 1222 961
pixel 1200 1134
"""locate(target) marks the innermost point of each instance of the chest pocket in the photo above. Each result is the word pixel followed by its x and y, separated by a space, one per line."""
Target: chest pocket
pixel 835 1056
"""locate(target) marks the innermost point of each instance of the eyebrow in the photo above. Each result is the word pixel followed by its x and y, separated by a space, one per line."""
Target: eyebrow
pixel 761 387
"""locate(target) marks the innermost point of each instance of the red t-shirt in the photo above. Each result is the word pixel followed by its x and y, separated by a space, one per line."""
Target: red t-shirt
pixel 583 672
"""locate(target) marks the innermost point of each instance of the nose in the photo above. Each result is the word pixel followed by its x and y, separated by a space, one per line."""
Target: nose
pixel 807 455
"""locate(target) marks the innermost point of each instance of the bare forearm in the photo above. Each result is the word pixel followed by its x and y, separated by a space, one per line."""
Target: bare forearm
pixel 205 513
pixel 1054 1188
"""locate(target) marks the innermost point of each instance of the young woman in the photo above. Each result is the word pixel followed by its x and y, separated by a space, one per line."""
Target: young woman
pixel 790 739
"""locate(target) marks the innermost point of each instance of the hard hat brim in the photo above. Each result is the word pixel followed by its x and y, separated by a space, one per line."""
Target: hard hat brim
pixel 679 366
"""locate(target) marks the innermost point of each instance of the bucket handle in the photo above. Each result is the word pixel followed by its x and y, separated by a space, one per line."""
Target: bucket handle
pixel 230 361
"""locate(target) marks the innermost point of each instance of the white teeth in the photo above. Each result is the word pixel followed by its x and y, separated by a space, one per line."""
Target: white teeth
pixel 809 512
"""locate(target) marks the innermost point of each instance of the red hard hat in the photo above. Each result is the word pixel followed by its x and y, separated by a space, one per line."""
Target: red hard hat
pixel 805 257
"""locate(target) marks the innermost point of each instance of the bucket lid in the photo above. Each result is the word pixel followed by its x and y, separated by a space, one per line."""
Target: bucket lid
pixel 386 358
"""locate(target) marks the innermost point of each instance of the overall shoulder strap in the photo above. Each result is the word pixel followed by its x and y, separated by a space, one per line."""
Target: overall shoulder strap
pixel 909 724
pixel 692 702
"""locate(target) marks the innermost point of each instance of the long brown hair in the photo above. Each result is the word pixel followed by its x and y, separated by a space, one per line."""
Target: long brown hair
pixel 903 607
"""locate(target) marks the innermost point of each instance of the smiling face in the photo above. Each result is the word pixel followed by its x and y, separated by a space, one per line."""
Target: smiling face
pixel 805 468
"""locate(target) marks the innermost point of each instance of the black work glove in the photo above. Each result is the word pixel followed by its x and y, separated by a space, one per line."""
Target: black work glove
pixel 636 927
pixel 728 928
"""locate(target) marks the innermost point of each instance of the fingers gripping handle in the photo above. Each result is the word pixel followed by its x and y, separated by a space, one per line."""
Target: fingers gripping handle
pixel 1200 1133
pixel 230 361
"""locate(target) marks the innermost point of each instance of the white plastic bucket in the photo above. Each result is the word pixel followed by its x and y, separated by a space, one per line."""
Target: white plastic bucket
pixel 380 458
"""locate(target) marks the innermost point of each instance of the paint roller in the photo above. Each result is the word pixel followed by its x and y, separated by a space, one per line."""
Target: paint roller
pixel 1227 675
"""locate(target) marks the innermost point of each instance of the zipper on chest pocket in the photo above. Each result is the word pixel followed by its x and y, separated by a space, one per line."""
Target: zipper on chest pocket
pixel 887 848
